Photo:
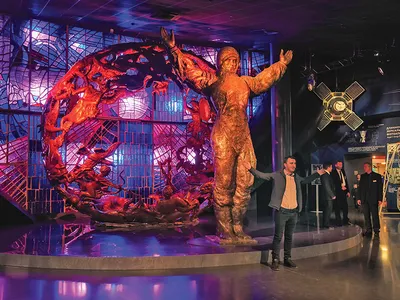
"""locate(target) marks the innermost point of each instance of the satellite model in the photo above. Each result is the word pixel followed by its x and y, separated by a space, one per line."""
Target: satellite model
pixel 338 106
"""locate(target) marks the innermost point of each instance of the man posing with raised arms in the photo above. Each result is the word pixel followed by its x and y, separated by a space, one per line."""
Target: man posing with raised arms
pixel 286 200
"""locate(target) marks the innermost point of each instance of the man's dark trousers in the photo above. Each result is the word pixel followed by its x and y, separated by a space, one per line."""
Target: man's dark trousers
pixel 327 212
pixel 285 222
pixel 371 209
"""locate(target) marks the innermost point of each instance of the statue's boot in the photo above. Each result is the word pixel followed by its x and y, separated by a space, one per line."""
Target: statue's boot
pixel 237 219
pixel 224 226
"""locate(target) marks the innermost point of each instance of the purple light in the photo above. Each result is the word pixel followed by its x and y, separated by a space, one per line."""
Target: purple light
pixel 134 107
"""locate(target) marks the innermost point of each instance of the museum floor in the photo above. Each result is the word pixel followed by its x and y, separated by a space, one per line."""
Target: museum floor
pixel 369 271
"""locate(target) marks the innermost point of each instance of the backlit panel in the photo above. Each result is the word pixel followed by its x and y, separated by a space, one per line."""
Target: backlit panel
pixel 34 56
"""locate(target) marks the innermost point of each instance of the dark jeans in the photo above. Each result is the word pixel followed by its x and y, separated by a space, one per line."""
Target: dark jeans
pixel 340 204
pixel 327 212
pixel 285 221
pixel 371 210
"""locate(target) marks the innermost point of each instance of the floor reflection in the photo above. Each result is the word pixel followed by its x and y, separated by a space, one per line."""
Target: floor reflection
pixel 368 272
pixel 83 240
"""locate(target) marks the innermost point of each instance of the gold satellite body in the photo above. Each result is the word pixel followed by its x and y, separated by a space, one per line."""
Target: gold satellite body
pixel 338 106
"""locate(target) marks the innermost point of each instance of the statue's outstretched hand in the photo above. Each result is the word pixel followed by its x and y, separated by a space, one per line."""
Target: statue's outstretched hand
pixel 287 57
pixel 247 165
pixel 169 40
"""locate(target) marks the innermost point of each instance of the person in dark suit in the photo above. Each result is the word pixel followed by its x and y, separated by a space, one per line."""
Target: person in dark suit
pixel 354 192
pixel 370 197
pixel 328 194
pixel 342 193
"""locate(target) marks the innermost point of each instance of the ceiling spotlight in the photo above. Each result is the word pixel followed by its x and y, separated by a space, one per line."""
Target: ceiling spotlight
pixel 380 70
pixel 311 82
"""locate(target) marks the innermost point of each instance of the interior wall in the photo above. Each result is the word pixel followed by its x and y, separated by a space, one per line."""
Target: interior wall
pixel 379 164
pixel 355 164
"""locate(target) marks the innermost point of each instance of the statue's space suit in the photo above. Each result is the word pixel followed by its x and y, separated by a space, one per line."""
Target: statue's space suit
pixel 230 136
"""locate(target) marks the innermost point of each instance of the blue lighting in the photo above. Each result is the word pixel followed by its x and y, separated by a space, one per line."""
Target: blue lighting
pixel 173 104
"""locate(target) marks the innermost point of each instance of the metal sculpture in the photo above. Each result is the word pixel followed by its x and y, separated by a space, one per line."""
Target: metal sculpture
pixel 191 156
pixel 338 106
pixel 230 136
pixel 102 78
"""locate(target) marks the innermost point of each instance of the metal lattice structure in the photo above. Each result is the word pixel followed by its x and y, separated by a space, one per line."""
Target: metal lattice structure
pixel 34 56
pixel 392 176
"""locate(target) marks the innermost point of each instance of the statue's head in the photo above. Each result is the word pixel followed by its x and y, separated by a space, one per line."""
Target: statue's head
pixel 228 60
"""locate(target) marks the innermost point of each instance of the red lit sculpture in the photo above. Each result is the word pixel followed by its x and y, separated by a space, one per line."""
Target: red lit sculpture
pixel 102 78
pixel 191 156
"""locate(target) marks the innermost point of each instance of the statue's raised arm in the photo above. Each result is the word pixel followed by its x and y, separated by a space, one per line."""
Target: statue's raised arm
pixel 198 74
pixel 230 138
pixel 269 76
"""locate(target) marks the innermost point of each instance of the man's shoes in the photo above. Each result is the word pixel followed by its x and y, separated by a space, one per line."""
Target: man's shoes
pixel 289 263
pixel 367 233
pixel 275 264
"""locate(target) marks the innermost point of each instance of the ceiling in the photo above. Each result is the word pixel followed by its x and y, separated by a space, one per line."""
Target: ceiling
pixel 320 24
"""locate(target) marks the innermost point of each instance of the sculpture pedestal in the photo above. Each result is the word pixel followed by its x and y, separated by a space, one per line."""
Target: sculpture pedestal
pixel 216 240
pixel 81 247
pixel 135 226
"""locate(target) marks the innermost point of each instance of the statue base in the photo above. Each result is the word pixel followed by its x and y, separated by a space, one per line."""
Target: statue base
pixel 237 242
pixel 106 226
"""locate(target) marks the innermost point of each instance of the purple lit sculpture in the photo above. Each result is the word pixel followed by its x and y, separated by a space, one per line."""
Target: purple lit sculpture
pixel 84 98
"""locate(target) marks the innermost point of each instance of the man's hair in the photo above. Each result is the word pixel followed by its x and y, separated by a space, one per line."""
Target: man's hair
pixel 326 165
pixel 368 163
pixel 338 160
pixel 287 157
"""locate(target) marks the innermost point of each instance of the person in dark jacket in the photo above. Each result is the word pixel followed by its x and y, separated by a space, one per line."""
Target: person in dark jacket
pixel 370 197
pixel 342 193
pixel 286 200
pixel 354 192
pixel 328 194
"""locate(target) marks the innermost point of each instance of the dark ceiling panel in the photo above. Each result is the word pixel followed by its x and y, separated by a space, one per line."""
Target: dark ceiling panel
pixel 321 24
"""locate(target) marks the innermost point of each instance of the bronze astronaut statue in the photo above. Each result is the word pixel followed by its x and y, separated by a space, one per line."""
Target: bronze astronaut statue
pixel 231 141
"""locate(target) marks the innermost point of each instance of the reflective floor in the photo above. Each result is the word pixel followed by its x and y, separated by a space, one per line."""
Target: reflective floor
pixel 82 240
pixel 371 271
